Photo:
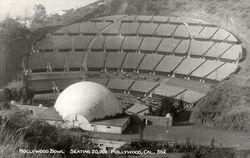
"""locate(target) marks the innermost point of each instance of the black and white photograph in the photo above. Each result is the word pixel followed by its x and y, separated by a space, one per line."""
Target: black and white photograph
pixel 125 78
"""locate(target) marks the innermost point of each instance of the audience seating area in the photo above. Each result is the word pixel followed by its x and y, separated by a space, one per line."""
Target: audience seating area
pixel 133 62
pixel 188 53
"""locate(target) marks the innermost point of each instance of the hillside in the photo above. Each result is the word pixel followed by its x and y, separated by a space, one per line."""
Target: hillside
pixel 227 103
pixel 14 43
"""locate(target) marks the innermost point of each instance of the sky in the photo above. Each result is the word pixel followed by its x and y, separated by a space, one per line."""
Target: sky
pixel 14 8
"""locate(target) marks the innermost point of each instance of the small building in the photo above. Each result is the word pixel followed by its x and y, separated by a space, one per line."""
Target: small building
pixel 117 125
pixel 156 120
pixel 141 112
pixel 50 115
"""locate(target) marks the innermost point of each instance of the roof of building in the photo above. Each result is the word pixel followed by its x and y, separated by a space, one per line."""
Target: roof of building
pixel 112 122
pixel 89 99
pixel 137 108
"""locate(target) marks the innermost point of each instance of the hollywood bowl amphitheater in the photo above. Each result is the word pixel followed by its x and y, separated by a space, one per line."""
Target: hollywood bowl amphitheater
pixel 137 58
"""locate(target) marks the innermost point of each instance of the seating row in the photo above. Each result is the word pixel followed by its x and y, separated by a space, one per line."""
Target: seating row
pixel 144 44
pixel 197 67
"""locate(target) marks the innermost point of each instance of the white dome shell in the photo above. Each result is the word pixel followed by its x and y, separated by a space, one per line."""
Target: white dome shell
pixel 88 99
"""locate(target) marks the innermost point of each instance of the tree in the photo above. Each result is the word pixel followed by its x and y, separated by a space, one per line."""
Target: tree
pixel 14 94
pixel 150 110
pixel 167 106
pixel 4 105
pixel 23 95
pixel 6 94
pixel 40 16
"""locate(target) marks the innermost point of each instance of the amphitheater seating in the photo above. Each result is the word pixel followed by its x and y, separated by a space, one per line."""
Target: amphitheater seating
pixel 195 30
pixel 99 26
pixel 147 29
pixel 193 21
pixel 96 60
pixel 93 27
pixel 81 42
pixel 56 60
pixel 102 81
pixel 63 43
pixel 163 46
pixel 119 84
pixel 143 86
pixel 206 33
pixel 129 18
pixel 40 85
pixel 70 29
pixel 61 84
pixel 150 44
pixel 73 29
pixel 175 20
pixel 167 90
pixel 114 60
pixel 129 28
pixel 131 43
pixel 190 96
pixel 113 42
pixel 188 84
pixel 143 18
pixel 55 75
pixel 232 38
pixel 221 35
pixel 37 61
pixel 188 65
pixel 206 68
pixel 182 32
pixel 132 60
pixel 150 61
pixel 168 45
pixel 98 43
pixel 223 71
pixel 168 64
pixel 48 43
pixel 160 19
pixel 74 59
pixel 218 49
pixel 166 30
pixel 113 18
pixel 200 47
pixel 233 53
pixel 112 29
pixel 183 47
pixel 87 28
